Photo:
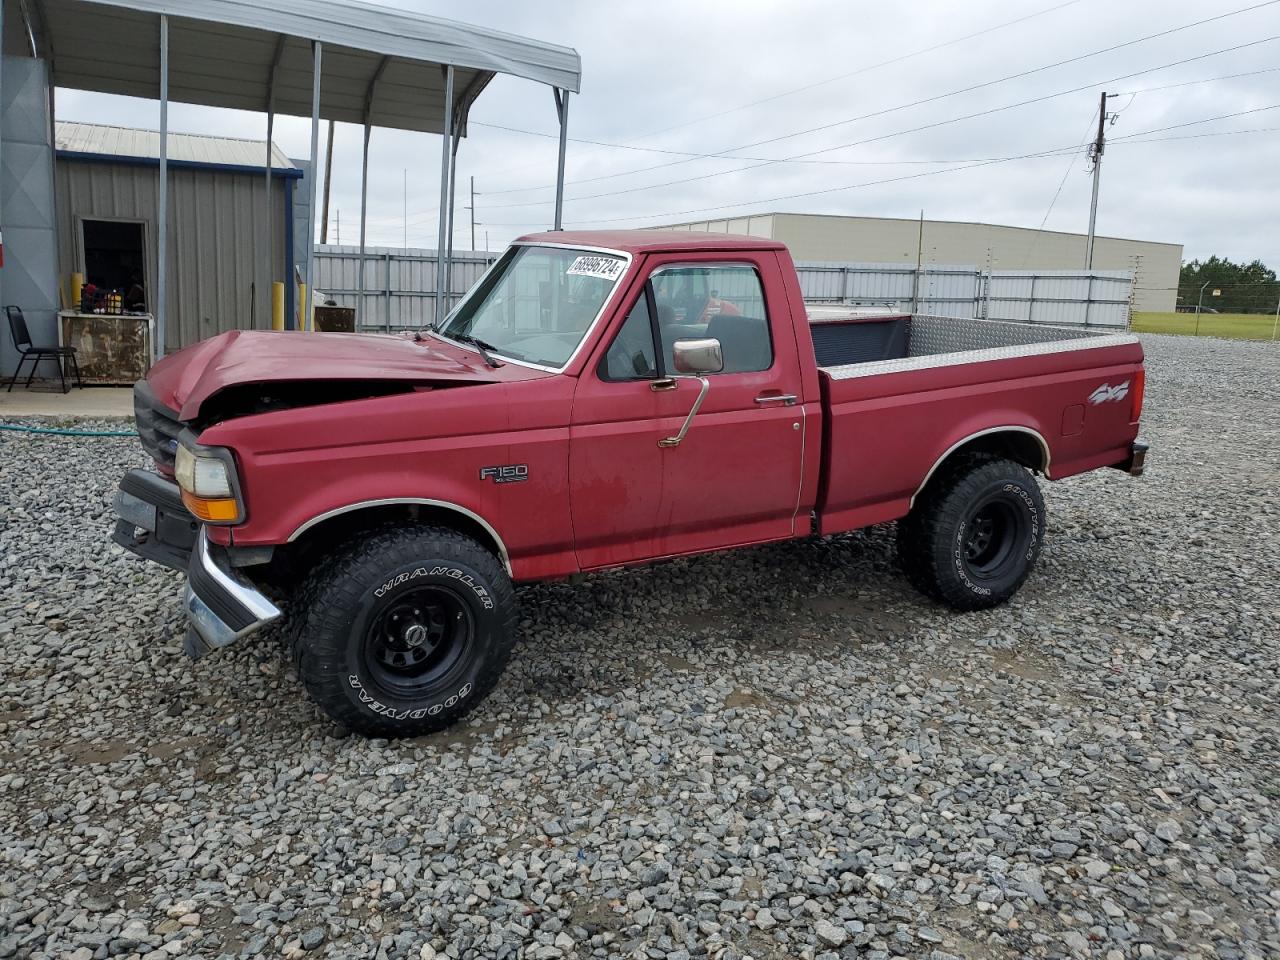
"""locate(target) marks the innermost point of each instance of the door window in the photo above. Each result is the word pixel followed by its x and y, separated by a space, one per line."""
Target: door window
pixel 721 301
pixel 631 355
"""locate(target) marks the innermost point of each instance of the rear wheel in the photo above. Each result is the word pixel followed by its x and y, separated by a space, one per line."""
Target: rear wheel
pixel 975 532
pixel 405 632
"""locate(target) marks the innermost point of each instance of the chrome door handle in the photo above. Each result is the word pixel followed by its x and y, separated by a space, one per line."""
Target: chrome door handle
pixel 786 399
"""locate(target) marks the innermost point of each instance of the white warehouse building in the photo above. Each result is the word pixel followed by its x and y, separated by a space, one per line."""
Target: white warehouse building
pixel 842 239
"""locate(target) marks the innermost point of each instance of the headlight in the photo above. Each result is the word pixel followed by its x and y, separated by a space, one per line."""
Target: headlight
pixel 206 476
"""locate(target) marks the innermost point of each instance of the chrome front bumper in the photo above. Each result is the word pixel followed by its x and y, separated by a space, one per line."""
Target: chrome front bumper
pixel 221 606
pixel 152 523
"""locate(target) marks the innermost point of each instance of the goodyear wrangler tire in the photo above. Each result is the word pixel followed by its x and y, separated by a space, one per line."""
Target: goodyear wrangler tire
pixel 406 632
pixel 974 534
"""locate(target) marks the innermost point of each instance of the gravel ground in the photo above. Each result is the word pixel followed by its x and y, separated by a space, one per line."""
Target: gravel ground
pixel 782 752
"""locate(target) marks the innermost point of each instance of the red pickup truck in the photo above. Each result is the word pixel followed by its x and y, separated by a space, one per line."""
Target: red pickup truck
pixel 598 399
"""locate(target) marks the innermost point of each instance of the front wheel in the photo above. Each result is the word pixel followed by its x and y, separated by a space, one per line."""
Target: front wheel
pixel 406 632
pixel 974 534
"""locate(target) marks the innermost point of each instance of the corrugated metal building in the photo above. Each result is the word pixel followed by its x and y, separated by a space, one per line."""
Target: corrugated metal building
pixel 106 190
pixel 841 239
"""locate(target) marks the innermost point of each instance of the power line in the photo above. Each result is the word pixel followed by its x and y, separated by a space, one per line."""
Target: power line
pixel 806 87
pixel 1065 150
pixel 861 70
pixel 1198 136
pixel 1187 83
pixel 928 173
pixel 1057 193
pixel 1062 151
pixel 719 156
pixel 915 103
pixel 897 133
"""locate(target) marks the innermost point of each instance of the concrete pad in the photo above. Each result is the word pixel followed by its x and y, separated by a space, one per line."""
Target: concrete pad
pixel 80 402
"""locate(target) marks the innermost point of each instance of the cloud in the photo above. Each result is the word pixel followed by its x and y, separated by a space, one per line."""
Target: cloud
pixel 669 75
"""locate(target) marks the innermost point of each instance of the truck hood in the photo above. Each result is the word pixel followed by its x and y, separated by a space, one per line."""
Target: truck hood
pixel 187 379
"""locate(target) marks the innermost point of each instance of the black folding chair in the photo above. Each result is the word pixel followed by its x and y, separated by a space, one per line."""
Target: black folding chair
pixel 22 343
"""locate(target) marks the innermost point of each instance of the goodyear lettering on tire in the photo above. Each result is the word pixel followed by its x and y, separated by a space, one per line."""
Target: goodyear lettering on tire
pixel 392 713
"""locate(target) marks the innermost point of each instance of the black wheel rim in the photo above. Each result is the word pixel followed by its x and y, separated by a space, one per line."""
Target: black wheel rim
pixel 415 639
pixel 990 539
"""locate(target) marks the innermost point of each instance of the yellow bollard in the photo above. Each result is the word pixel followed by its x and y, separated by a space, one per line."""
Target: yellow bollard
pixel 77 287
pixel 277 305
pixel 303 313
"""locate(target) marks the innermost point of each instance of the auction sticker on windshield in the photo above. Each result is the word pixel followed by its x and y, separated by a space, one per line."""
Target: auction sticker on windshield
pixel 605 268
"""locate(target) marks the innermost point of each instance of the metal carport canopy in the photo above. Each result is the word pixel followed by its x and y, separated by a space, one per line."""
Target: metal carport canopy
pixel 381 67
pixel 221 55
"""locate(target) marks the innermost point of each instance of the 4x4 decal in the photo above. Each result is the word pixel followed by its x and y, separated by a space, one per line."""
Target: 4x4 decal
pixel 1107 393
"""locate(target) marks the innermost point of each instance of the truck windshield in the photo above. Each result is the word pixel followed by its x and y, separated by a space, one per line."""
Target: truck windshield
pixel 537 303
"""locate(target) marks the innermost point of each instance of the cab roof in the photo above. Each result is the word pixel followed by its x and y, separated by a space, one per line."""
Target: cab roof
pixel 652 241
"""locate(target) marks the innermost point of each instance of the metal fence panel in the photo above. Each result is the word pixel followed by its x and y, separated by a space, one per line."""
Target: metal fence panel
pixel 1098 298
pixel 399 284
pixel 400 288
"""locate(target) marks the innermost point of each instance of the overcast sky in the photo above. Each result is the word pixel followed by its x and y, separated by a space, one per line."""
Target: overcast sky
pixel 681 75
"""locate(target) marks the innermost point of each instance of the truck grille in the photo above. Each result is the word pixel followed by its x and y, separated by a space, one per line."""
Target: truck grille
pixel 158 426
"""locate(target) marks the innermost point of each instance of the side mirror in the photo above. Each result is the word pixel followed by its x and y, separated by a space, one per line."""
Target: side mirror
pixel 697 357
pixel 694 358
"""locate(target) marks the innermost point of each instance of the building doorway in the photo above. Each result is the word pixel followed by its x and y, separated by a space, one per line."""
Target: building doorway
pixel 115 260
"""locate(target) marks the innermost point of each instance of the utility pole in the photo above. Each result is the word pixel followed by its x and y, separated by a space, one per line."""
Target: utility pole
pixel 406 207
pixel 472 208
pixel 1096 154
pixel 328 175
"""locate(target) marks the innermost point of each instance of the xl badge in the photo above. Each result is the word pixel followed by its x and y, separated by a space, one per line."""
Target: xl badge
pixel 507 473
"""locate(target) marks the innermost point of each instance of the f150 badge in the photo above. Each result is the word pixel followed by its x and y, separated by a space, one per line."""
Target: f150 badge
pixel 1107 393
pixel 507 473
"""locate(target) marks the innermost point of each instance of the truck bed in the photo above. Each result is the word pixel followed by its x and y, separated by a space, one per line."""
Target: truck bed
pixel 897 390
pixel 862 343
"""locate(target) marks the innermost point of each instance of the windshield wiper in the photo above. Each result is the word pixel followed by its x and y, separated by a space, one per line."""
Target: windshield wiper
pixel 480 345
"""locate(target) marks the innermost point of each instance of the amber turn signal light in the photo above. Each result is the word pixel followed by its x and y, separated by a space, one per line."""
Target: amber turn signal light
pixel 211 511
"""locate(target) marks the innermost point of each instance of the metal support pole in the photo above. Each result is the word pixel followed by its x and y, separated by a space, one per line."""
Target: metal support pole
pixel 304 309
pixel 364 198
pixel 328 175
pixel 162 206
pixel 453 184
pixel 446 134
pixel 386 290
pixel 270 217
pixel 1276 324
pixel 52 143
pixel 1098 146
pixel 1199 304
pixel 915 285
pixel 473 214
pixel 562 112
pixel 271 213
pixel 364 184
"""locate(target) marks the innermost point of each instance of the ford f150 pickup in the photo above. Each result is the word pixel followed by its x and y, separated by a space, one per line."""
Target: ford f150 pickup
pixel 598 399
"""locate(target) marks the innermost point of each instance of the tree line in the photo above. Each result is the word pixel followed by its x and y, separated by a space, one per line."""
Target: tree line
pixel 1242 287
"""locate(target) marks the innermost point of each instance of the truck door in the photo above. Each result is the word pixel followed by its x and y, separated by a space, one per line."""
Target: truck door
pixel 734 478
pixel 615 463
